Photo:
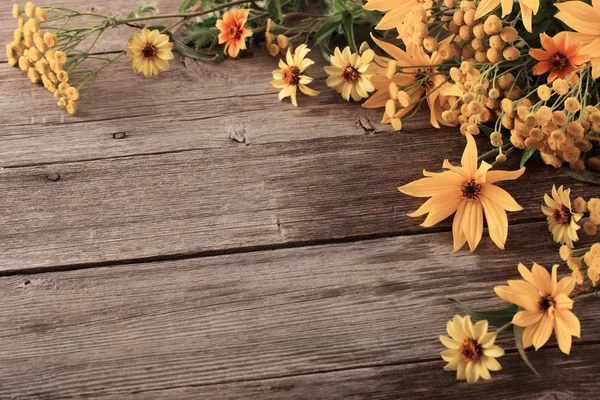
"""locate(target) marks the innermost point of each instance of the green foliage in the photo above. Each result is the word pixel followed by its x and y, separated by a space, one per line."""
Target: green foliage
pixel 519 343
pixel 496 318
pixel 274 9
pixel 202 34
pixel 140 11
pixel 526 155
pixel 584 176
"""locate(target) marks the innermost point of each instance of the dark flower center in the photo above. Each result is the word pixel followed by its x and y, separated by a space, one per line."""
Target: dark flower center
pixel 470 350
pixel 350 74
pixel 471 190
pixel 234 31
pixel 424 75
pixel 558 62
pixel 291 75
pixel 546 303
pixel 149 51
pixel 562 214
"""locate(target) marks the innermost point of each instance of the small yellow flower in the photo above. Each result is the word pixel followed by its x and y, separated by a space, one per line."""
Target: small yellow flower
pixel 349 73
pixel 62 76
pixel 73 93
pixel 60 57
pixel 16 11
pixel 471 349
pixel 290 76
pixel 41 14
pixel 150 52
pixel 468 192
pixel 562 221
pixel 50 39
pixel 71 107
pixel 545 306
pixel 30 9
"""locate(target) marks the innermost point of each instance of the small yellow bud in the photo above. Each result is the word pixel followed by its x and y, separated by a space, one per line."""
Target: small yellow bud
pixel 41 14
pixel 30 9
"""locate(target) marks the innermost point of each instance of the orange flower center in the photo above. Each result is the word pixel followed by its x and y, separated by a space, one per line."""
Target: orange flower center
pixel 558 62
pixel 471 190
pixel 350 74
pixel 234 31
pixel 470 350
pixel 547 302
pixel 149 51
pixel 291 75
pixel 562 214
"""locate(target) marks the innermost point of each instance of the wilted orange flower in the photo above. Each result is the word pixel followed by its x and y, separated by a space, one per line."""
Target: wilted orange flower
pixel 559 57
pixel 469 192
pixel 233 33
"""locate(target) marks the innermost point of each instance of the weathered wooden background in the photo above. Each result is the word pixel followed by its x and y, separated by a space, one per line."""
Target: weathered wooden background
pixel 189 236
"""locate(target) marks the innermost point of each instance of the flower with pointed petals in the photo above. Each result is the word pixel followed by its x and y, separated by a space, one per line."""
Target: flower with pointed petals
pixel 562 221
pixel 290 77
pixel 150 52
pixel 469 192
pixel 417 66
pixel 233 33
pixel 528 9
pixel 471 349
pixel 558 56
pixel 395 10
pixel 545 306
pixel 583 19
pixel 349 73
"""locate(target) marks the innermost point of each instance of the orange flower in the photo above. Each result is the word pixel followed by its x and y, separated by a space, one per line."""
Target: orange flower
pixel 559 57
pixel 233 32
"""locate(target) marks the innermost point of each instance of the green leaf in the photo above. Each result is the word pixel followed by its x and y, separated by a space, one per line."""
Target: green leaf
pixel 140 11
pixel 519 343
pixel 330 25
pixel 187 51
pixel 584 176
pixel 348 28
pixel 496 318
pixel 187 4
pixel 274 9
pixel 526 155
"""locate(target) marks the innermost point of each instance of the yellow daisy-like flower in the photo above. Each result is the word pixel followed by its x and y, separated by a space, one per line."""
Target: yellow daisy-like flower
pixel 545 304
pixel 471 349
pixel 290 76
pixel 469 192
pixel 349 73
pixel 562 221
pixel 528 9
pixel 150 52
pixel 395 10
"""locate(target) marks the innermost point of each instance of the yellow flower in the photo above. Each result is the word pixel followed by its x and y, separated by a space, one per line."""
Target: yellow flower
pixel 469 192
pixel 150 52
pixel 30 9
pixel 528 7
pixel 545 305
pixel 417 67
pixel 562 221
pixel 471 349
pixel 41 14
pixel 16 11
pixel 395 10
pixel 583 18
pixel 349 73
pixel 290 77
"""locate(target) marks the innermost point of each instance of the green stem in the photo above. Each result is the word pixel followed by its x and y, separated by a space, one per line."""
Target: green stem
pixel 502 328
pixel 587 296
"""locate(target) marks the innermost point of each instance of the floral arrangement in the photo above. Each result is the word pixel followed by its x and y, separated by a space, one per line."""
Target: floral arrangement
pixel 523 73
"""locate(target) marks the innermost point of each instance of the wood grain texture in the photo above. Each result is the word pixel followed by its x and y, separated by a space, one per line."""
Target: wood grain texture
pixel 192 106
pixel 563 378
pixel 210 320
pixel 219 199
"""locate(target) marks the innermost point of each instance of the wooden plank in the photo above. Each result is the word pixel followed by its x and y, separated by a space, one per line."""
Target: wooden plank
pixel 210 320
pixel 113 39
pixel 192 106
pixel 562 378
pixel 220 199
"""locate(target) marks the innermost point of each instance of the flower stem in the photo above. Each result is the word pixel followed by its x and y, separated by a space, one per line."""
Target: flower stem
pixel 502 328
pixel 587 296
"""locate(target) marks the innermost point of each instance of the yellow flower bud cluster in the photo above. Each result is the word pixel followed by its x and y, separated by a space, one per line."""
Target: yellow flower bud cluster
pixel 34 53
pixel 482 101
pixel 487 41
pixel 276 44
pixel 415 27
pixel 592 261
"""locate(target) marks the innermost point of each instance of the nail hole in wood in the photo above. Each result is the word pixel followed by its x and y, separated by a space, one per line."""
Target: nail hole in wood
pixel 119 135
pixel 27 282
pixel 54 176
